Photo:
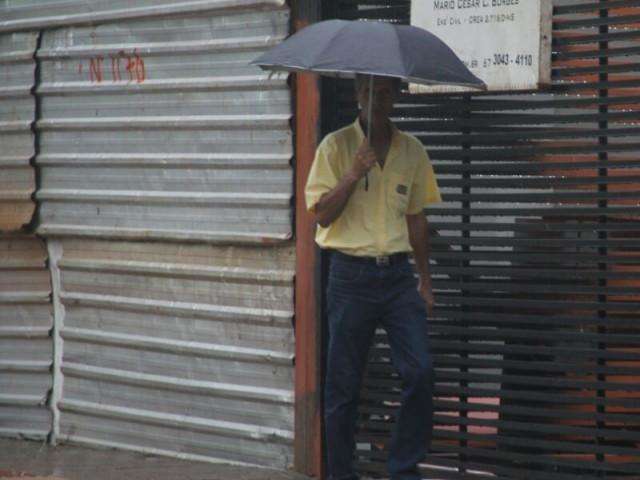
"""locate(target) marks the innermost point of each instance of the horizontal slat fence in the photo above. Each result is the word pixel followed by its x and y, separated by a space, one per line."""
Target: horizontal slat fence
pixel 536 332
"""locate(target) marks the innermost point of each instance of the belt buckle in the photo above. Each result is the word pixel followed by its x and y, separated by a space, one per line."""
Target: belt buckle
pixel 382 261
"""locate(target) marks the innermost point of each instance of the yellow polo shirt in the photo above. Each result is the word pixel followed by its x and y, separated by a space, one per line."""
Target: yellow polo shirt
pixel 373 222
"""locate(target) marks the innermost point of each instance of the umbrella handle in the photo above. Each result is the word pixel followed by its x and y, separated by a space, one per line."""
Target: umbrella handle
pixel 370 107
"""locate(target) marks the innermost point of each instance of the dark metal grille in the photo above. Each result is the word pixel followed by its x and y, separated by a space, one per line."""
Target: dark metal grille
pixel 536 335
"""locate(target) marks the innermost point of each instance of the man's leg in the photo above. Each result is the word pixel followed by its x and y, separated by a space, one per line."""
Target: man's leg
pixel 352 322
pixel 405 320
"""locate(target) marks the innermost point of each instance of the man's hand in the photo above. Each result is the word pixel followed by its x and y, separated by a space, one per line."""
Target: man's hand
pixel 419 240
pixel 331 204
pixel 364 161
pixel 426 292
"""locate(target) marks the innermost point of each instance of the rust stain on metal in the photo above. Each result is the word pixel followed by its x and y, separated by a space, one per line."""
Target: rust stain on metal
pixel 276 241
pixel 13 215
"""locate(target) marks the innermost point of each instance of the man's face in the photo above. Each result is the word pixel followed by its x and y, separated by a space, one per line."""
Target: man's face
pixel 384 96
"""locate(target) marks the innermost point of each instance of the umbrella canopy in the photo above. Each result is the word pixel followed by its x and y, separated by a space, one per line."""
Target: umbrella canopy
pixel 344 48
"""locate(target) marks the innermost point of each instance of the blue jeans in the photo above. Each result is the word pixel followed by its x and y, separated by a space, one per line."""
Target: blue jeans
pixel 359 298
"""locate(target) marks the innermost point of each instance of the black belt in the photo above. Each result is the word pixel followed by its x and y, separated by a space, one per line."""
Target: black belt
pixel 381 261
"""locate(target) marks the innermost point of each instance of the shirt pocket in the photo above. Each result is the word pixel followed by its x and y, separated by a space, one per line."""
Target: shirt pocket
pixel 398 194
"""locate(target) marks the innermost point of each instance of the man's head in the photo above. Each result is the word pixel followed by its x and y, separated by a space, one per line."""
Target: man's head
pixel 385 93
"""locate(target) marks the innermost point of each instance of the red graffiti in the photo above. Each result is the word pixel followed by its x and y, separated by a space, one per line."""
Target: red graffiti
pixel 95 69
pixel 134 66
pixel 115 68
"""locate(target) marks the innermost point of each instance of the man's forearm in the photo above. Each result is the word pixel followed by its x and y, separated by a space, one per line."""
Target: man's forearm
pixel 332 203
pixel 419 240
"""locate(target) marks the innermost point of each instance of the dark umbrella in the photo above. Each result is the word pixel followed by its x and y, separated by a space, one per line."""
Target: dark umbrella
pixel 344 48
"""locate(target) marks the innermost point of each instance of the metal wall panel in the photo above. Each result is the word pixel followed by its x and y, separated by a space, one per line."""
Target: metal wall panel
pixel 536 333
pixel 26 348
pixel 17 113
pixel 159 129
pixel 184 350
pixel 152 126
pixel 40 14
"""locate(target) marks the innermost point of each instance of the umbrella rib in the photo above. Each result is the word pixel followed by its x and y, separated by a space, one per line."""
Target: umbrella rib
pixel 396 31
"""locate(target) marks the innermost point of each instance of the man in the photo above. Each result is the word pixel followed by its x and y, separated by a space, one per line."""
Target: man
pixel 368 197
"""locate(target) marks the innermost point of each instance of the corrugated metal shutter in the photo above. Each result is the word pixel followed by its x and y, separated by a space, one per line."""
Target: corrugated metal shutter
pixel 160 129
pixel 152 126
pixel 26 349
pixel 17 113
pixel 536 335
pixel 38 14
pixel 176 349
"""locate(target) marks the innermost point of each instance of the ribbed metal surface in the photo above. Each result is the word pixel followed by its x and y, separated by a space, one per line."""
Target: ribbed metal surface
pixel 26 347
pixel 152 125
pixel 17 113
pixel 536 335
pixel 159 129
pixel 175 349
pixel 40 14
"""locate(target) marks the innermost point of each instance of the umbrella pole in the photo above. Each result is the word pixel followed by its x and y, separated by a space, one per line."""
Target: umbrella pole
pixel 369 135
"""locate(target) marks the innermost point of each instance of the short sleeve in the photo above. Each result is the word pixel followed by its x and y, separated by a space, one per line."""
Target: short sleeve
pixel 323 176
pixel 424 190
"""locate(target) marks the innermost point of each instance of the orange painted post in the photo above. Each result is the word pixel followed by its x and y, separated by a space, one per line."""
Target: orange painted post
pixel 308 321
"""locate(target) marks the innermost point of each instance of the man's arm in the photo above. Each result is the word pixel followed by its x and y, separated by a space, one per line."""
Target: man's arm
pixel 332 204
pixel 419 240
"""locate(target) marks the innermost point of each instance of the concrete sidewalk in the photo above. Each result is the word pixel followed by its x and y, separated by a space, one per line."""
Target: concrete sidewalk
pixel 23 458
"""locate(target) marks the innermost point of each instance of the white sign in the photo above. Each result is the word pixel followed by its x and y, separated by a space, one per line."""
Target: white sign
pixel 506 43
